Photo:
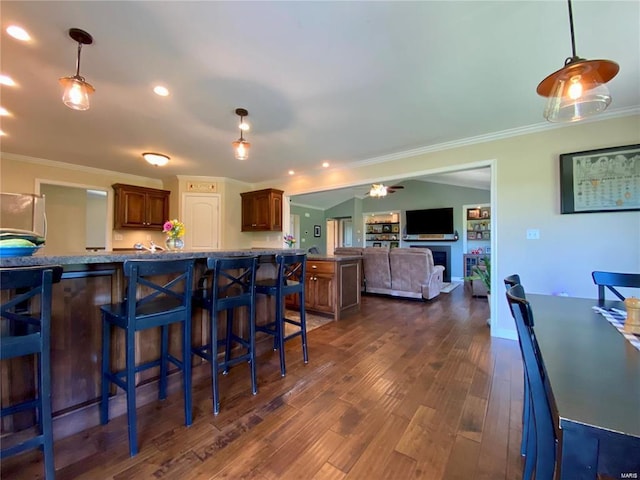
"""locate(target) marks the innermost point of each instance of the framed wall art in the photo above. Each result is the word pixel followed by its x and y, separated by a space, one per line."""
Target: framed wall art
pixel 604 180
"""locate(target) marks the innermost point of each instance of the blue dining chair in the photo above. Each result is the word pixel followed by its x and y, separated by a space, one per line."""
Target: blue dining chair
pixel 232 286
pixel 25 332
pixel 541 444
pixel 151 301
pixel 290 280
pixel 610 280
pixel 512 281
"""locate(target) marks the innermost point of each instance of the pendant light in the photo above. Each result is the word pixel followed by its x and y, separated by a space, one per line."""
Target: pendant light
pixel 241 146
pixel 578 89
pixel 76 89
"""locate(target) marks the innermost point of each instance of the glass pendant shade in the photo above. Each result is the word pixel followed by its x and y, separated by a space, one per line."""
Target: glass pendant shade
pixel 76 93
pixel 76 89
pixel 241 149
pixel 578 90
pixel 241 146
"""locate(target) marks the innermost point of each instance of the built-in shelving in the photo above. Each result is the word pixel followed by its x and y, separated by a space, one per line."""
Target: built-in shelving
pixel 382 229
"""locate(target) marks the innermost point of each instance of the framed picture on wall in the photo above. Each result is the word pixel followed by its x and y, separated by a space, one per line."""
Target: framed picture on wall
pixel 316 231
pixel 604 180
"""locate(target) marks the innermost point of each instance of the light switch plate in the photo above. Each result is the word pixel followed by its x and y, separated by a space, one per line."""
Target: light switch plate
pixel 533 234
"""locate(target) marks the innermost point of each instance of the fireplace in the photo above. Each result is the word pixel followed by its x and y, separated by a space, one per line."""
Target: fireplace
pixel 441 256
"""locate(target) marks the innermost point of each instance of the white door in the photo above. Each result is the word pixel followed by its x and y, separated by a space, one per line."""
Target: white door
pixel 201 213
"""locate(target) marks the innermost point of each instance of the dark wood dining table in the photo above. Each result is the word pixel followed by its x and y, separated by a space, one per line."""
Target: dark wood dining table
pixel 592 375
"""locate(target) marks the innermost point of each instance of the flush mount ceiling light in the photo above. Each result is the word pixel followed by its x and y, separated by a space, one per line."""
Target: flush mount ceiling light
pixel 76 89
pixel 156 159
pixel 241 146
pixel 578 89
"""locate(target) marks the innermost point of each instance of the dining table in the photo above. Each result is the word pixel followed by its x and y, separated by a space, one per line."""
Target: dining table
pixel 592 377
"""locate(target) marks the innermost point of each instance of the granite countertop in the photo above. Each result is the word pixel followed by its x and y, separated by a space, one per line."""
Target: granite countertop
pixel 52 258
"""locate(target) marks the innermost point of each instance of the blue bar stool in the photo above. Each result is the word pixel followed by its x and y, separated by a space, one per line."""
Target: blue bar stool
pixel 29 333
pixel 232 286
pixel 160 304
pixel 290 280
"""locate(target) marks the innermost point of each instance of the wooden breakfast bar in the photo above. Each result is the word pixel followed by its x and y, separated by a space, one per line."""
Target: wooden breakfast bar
pixel 93 279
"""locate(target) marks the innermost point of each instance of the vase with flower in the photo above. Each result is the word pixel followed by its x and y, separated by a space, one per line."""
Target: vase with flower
pixel 290 240
pixel 175 231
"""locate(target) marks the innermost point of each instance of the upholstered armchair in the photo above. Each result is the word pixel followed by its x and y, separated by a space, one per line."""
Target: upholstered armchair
pixel 413 272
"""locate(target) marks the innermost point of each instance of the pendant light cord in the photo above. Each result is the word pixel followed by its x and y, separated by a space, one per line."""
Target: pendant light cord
pixel 78 60
pixel 573 38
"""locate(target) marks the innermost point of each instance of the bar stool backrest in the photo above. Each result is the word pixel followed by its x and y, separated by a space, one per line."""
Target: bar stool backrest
pixel 291 272
pixel 29 284
pixel 233 281
pixel 156 298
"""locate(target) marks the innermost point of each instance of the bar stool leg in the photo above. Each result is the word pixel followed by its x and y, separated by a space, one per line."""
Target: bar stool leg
pixel 106 349
pixel 45 419
pixel 131 391
pixel 186 372
pixel 280 329
pixel 227 346
pixel 213 335
pixel 252 346
pixel 164 353
pixel 303 327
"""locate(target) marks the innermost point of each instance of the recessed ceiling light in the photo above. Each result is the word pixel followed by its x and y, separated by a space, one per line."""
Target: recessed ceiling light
pixel 4 112
pixel 18 33
pixel 156 159
pixel 291 172
pixel 161 91
pixel 325 164
pixel 7 80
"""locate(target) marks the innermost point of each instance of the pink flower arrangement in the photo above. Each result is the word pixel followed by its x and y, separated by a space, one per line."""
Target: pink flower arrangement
pixel 289 240
pixel 173 228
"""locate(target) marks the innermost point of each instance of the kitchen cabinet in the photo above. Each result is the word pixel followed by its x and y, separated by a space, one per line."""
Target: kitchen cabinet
pixel 140 207
pixel 262 210
pixel 332 286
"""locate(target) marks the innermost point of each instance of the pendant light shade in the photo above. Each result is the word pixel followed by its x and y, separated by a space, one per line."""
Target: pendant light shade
pixel 241 146
pixel 578 90
pixel 76 89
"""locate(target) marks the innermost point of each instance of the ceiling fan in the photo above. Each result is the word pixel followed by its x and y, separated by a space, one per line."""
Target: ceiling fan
pixel 381 190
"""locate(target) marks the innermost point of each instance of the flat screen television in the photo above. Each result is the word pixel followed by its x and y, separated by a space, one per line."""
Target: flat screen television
pixel 430 221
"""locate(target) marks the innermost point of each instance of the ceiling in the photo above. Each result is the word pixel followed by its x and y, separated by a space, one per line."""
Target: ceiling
pixel 341 82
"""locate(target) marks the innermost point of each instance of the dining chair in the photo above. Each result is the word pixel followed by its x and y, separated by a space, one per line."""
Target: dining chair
pixel 290 279
pixel 512 281
pixel 151 301
pixel 232 285
pixel 541 444
pixel 26 331
pixel 611 280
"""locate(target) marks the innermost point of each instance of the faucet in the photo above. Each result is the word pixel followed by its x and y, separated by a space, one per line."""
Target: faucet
pixel 151 248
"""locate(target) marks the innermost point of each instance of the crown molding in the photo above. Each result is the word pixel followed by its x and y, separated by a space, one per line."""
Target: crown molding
pixel 312 207
pixel 76 168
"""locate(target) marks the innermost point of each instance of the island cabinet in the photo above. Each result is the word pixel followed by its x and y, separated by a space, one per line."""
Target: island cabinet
pixel 140 207
pixel 262 210
pixel 331 286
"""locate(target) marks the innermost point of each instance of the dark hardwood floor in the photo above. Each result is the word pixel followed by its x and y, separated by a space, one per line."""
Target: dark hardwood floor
pixel 403 390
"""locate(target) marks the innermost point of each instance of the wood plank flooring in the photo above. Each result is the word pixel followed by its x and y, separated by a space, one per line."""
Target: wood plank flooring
pixel 402 390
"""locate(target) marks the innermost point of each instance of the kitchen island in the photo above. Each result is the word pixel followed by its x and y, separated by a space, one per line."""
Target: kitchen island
pixel 92 279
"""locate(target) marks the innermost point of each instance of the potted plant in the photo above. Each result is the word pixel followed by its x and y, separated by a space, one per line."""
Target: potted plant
pixel 482 272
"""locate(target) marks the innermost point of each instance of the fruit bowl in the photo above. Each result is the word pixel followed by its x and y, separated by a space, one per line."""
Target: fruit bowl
pixel 17 251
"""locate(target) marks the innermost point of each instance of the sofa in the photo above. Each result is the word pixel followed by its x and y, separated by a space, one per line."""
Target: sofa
pixel 400 272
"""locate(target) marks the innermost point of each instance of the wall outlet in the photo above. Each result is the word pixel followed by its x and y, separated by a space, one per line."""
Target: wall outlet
pixel 533 234
pixel 118 237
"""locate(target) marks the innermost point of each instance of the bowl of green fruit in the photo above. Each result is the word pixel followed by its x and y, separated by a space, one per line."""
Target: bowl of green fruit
pixel 19 243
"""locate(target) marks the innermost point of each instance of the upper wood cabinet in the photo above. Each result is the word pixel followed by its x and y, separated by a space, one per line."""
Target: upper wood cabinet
pixel 262 210
pixel 140 207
